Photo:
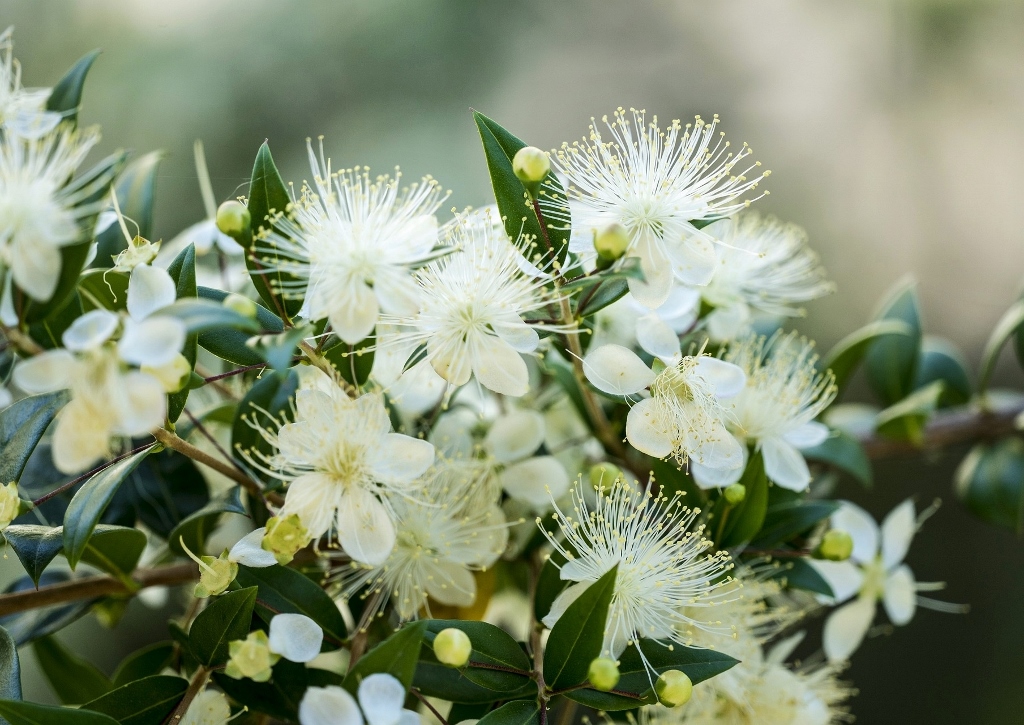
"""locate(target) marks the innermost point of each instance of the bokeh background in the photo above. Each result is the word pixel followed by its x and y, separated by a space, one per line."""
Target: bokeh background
pixel 894 130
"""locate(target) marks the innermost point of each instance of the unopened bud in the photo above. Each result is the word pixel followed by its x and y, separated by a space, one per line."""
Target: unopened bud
pixel 603 475
pixel 531 165
pixel 735 493
pixel 233 219
pixel 603 673
pixel 251 657
pixel 240 304
pixel 10 504
pixel 611 242
pixel 452 647
pixel 173 375
pixel 285 535
pixel 836 545
pixel 674 688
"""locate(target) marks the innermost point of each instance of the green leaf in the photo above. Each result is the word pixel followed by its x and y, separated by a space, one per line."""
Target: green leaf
pixel 990 482
pixel 906 419
pixel 578 634
pixel 491 646
pixel 200 315
pixel 35 546
pixel 183 271
pixel 549 585
pixel 940 359
pixel 597 298
pixel 396 656
pixel 225 620
pixel 195 528
pixel 516 210
pixel 146 662
pixel 230 344
pixel 144 702
pixel 797 573
pixel 22 425
pixel 66 96
pixel 136 190
pixel 848 353
pixel 627 268
pixel 49 332
pixel 278 350
pixel 165 489
pixel 739 524
pixel 103 288
pixel 91 501
pixel 892 359
pixel 671 480
pixel 280 697
pixel 517 712
pixel 353 362
pixel 844 452
pixel 285 590
pixel 29 713
pixel 785 520
pixel 272 394
pixel 115 549
pixel 10 667
pixel 73 680
pixel 1008 325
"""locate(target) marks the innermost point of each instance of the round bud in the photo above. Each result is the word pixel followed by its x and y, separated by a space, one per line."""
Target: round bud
pixel 674 688
pixel 611 242
pixel 836 545
pixel 603 674
pixel 233 218
pixel 452 647
pixel 240 304
pixel 735 493
pixel 603 475
pixel 531 165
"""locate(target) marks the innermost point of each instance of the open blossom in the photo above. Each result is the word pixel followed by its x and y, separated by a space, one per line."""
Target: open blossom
pixel 776 409
pixel 22 110
pixel 341 462
pixel 352 243
pixel 381 700
pixel 664 566
pixel 475 309
pixel 656 183
pixel 684 416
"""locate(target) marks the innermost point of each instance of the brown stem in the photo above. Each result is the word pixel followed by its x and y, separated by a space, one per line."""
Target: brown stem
pixel 430 707
pixel 91 587
pixel 236 371
pixel 195 686
pixel 22 341
pixel 357 647
pixel 946 429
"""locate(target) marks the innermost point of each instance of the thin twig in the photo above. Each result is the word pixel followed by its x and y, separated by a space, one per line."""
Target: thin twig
pixel 195 686
pixel 21 340
pixel 236 371
pixel 430 707
pixel 61 489
pixel 216 444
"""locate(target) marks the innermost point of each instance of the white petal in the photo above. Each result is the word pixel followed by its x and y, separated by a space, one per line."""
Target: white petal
pixel 694 260
pixel 617 370
pixel 728 323
pixel 397 294
pixel 681 307
pixel 654 290
pixel 452 434
pixel 354 313
pixel 313 497
pixel 844 578
pixel 410 717
pixel 716 448
pixel 845 628
pixel 45 372
pixel 365 529
pixel 400 458
pixel 295 637
pixel 149 289
pixel 536 481
pixel 382 698
pixel 154 341
pixel 897 532
pixel 79 438
pixel 451 362
pixel 516 333
pixel 858 523
pixel 708 478
pixel 808 435
pixel 784 465
pixel 900 598
pixel 451 584
pixel 657 338
pixel 647 430
pixel 563 600
pixel 726 379
pixel 515 435
pixel 499 367
pixel 140 405
pixel 90 330
pixel 418 390
pixel 329 705
pixel 248 551
pixel 35 269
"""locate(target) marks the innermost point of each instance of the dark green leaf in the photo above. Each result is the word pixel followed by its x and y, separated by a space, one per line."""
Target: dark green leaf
pixel 35 546
pixel 165 489
pixel 1008 325
pixel 284 590
pixel 578 634
pixel 115 549
pixel 788 519
pixel 200 315
pixel 892 359
pixel 353 362
pixel 136 189
pixel 49 332
pixel 906 419
pixel 225 620
pixel 29 713
pixel 197 527
pixel 941 360
pixel 21 426
pixel 103 288
pixel 990 482
pixel 10 667
pixel 491 646
pixel 628 268
pixel 230 344
pixel 435 679
pixel 183 272
pixel 66 96
pixel 272 394
pixel 600 296
pixel 396 656
pixel 671 480
pixel 73 680
pixel 144 702
pixel 798 574
pixel 738 524
pixel 847 354
pixel 146 662
pixel 549 585
pixel 517 712
pixel 844 452
pixel 280 697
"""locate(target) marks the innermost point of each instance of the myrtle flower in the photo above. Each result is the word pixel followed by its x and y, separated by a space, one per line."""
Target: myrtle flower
pixel 664 567
pixel 119 370
pixel 875 571
pixel 22 110
pixel 444 535
pixel 656 183
pixel 295 637
pixel 341 462
pixel 208 708
pixel 684 416
pixel 475 309
pixel 776 409
pixel 40 211
pixel 351 242
pixel 381 697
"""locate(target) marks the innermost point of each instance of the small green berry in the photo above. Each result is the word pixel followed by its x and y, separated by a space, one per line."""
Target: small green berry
pixel 603 674
pixel 452 647
pixel 233 219
pixel 836 545
pixel 674 688
pixel 735 493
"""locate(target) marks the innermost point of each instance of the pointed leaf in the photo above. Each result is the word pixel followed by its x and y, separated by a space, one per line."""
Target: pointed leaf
pixel 226 619
pixel 517 712
pixel 906 419
pixel 843 451
pixel 35 546
pixel 29 713
pixel 283 590
pixel 73 680
pixel 1008 324
pixel 940 359
pixel 491 646
pixel 22 425
pixel 230 344
pixel 146 662
pixel 785 520
pixel 66 96
pixel 10 667
pixel 578 634
pixel 196 528
pixel 144 702
pixel 892 359
pixel 183 272
pixel 396 656
pixel 798 574
pixel 743 521
pixel 848 353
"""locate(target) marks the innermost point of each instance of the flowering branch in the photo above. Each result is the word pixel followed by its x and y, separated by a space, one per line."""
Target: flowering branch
pixel 195 686
pixel 947 429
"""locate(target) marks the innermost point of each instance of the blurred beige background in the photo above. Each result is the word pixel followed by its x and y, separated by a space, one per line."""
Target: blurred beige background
pixel 894 130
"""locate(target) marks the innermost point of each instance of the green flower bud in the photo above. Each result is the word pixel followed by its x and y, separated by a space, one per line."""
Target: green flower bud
pixel 284 537
pixel 233 219
pixel 452 647
pixel 173 375
pixel 603 475
pixel 603 673
pixel 10 504
pixel 240 304
pixel 611 242
pixel 251 657
pixel 674 688
pixel 836 545
pixel 531 165
pixel 735 493
pixel 215 572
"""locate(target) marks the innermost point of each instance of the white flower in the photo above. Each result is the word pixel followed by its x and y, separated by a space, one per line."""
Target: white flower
pixel 776 410
pixel 664 564
pixel 381 698
pixel 341 461
pixel 295 637
pixel 656 184
pixel 249 551
pixel 444 536
pixel 764 266
pixel 352 243
pixel 475 308
pixel 875 571
pixel 40 211
pixel 208 708
pixel 684 415
pixel 22 110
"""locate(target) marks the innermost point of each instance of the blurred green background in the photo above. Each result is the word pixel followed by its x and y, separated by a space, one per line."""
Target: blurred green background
pixel 893 129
